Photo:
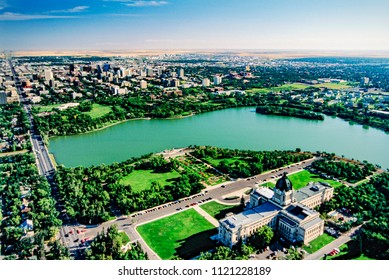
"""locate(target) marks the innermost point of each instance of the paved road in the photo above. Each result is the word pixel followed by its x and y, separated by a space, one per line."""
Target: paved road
pixel 45 166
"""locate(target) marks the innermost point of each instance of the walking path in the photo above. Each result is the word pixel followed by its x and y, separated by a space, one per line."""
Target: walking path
pixel 211 219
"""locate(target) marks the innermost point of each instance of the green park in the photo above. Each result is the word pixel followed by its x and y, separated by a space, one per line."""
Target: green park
pixel 183 235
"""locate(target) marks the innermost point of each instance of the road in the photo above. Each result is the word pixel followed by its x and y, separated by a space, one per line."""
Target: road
pixel 44 163
pixel 129 223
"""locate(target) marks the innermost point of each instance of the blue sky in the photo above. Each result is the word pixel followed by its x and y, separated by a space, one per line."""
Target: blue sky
pixel 194 24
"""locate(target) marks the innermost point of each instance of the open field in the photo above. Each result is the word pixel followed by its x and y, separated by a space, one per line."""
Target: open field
pixel 185 234
pixel 98 111
pixel 300 86
pixel 302 178
pixel 142 179
pixel 219 211
pixel 341 85
pixel 318 243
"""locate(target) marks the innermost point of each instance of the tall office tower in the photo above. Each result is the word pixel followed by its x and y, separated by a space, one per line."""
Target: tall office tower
pixel 149 72
pixel 217 80
pixel 48 75
pixel 181 73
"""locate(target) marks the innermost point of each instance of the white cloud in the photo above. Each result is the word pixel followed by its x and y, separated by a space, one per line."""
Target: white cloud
pixel 76 9
pixel 145 3
pixel 15 16
pixel 140 3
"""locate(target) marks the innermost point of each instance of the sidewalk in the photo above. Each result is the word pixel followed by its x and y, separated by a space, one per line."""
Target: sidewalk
pixel 211 219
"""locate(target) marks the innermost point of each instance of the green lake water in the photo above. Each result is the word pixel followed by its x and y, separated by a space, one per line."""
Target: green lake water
pixel 239 128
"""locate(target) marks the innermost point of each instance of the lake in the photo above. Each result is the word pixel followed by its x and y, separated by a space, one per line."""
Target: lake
pixel 239 128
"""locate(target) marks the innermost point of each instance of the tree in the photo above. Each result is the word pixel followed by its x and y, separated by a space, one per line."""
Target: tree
pixel 58 251
pixel 261 238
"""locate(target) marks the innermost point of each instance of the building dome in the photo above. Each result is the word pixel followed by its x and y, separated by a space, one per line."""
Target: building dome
pixel 284 184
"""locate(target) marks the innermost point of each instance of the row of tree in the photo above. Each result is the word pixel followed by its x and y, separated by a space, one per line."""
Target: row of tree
pixel 344 170
pixel 241 163
pixel 282 110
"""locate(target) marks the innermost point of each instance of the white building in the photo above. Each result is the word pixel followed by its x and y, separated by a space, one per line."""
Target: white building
pixel 284 210
pixel 181 73
pixel 143 84
pixel 206 82
pixel 217 80
pixel 48 75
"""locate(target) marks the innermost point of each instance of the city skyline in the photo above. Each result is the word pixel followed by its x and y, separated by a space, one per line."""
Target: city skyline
pixel 200 24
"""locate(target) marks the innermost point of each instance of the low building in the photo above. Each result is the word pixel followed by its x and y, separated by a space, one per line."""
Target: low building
pixel 287 211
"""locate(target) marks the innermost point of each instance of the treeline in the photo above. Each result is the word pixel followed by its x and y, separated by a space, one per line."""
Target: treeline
pixel 90 194
pixel 241 163
pixel 344 170
pixel 74 120
pixel 108 246
pixel 13 125
pixel 281 110
pixel 356 115
pixel 26 196
pixel 368 202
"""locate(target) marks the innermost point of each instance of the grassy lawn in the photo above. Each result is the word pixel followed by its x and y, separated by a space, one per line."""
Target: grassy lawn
pixel 268 185
pixel 299 86
pixel 125 238
pixel 219 211
pixel 342 85
pixel 318 243
pixel 142 179
pixel 302 178
pixel 215 162
pixel 98 111
pixel 185 234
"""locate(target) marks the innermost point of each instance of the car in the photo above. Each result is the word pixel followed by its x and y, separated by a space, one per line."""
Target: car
pixel 78 231
pixel 70 231
pixel 76 240
pixel 223 186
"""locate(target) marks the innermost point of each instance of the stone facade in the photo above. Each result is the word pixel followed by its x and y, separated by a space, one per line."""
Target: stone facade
pixel 287 211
